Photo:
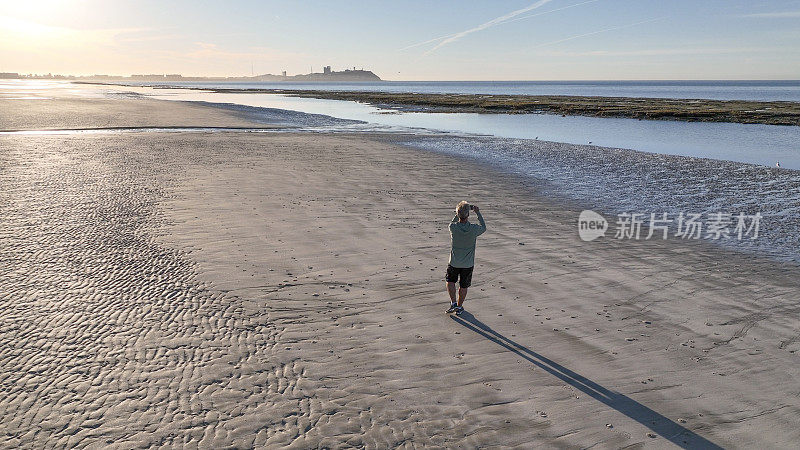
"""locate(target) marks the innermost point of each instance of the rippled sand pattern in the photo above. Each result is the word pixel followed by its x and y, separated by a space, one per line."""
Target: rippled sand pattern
pixel 106 335
pixel 110 337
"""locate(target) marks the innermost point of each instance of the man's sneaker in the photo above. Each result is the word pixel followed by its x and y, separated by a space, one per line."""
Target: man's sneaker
pixel 459 310
pixel 453 308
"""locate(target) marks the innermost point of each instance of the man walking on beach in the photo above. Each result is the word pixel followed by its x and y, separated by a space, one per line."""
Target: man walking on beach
pixel 462 253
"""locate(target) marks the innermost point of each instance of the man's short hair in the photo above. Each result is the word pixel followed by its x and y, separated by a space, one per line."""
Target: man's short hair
pixel 462 210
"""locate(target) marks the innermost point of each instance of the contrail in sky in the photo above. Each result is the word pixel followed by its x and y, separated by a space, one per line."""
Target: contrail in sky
pixel 597 32
pixel 550 11
pixel 509 19
pixel 426 42
pixel 489 24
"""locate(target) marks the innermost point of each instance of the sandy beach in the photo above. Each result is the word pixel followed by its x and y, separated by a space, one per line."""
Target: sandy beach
pixel 237 290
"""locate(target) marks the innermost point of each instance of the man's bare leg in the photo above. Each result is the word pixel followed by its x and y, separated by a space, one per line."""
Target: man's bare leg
pixel 451 289
pixel 462 294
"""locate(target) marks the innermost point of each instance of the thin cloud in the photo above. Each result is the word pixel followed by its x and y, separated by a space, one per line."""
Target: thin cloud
pixel 661 52
pixel 577 36
pixel 151 38
pixel 211 51
pixel 774 15
pixel 494 22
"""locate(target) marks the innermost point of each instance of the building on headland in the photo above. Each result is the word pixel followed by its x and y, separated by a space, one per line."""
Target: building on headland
pixel 327 74
pixel 331 75
pixel 8 75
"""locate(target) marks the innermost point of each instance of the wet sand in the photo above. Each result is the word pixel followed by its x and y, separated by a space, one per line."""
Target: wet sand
pixel 226 289
pixel 130 111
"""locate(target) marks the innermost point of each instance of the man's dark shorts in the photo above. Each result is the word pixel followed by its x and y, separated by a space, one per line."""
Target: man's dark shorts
pixel 462 275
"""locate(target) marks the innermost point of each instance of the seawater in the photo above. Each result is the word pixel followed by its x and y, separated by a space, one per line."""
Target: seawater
pixel 763 145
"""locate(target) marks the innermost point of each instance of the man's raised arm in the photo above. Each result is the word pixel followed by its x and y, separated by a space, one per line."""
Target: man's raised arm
pixel 482 225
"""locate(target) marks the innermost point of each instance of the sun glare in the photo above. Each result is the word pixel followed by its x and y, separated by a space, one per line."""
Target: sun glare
pixel 33 19
pixel 32 9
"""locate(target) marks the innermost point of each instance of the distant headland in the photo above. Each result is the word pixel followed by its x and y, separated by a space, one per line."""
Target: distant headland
pixel 326 75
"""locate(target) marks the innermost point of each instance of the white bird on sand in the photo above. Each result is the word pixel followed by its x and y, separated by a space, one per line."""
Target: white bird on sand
pixel 778 164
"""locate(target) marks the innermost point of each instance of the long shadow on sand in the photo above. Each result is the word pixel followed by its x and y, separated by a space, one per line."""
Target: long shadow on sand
pixel 661 425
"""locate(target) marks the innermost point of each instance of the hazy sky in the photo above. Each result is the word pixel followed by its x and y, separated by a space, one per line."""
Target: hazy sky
pixel 408 40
